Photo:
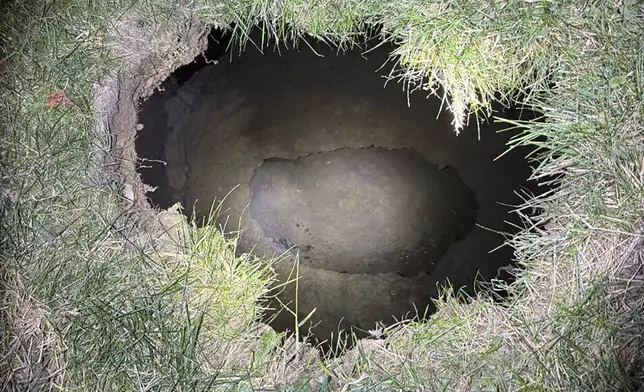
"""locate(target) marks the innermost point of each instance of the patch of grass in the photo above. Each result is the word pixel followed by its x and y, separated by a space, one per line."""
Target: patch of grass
pixel 95 302
pixel 566 325
pixel 581 65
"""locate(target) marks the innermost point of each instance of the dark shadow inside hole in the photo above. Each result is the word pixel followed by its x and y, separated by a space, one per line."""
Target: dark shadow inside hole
pixel 353 178
pixel 177 95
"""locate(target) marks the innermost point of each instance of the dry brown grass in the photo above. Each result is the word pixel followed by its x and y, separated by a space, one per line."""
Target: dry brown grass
pixel 30 359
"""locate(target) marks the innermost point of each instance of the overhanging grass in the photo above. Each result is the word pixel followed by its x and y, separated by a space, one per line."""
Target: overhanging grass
pixel 93 305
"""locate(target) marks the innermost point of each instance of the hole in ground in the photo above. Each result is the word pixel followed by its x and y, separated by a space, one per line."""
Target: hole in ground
pixel 379 202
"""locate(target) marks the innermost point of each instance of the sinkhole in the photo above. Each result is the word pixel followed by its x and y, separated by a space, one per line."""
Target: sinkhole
pixel 366 186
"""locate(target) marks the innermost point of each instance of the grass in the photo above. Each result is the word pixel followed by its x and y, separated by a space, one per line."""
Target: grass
pixel 93 301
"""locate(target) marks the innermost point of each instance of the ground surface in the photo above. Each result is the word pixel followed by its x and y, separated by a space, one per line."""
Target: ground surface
pixel 216 131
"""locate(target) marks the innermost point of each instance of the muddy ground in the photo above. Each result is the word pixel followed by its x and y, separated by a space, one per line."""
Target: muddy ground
pixel 371 210
pixel 251 124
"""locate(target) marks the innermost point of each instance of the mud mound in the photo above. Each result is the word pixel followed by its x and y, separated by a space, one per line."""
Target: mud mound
pixel 370 210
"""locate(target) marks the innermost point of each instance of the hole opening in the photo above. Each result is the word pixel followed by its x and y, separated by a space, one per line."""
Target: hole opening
pixel 380 202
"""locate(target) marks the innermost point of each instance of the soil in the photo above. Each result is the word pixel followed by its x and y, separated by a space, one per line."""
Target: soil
pixel 339 171
pixel 372 210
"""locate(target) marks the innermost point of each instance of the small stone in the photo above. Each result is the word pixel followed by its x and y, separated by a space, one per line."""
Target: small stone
pixel 128 194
